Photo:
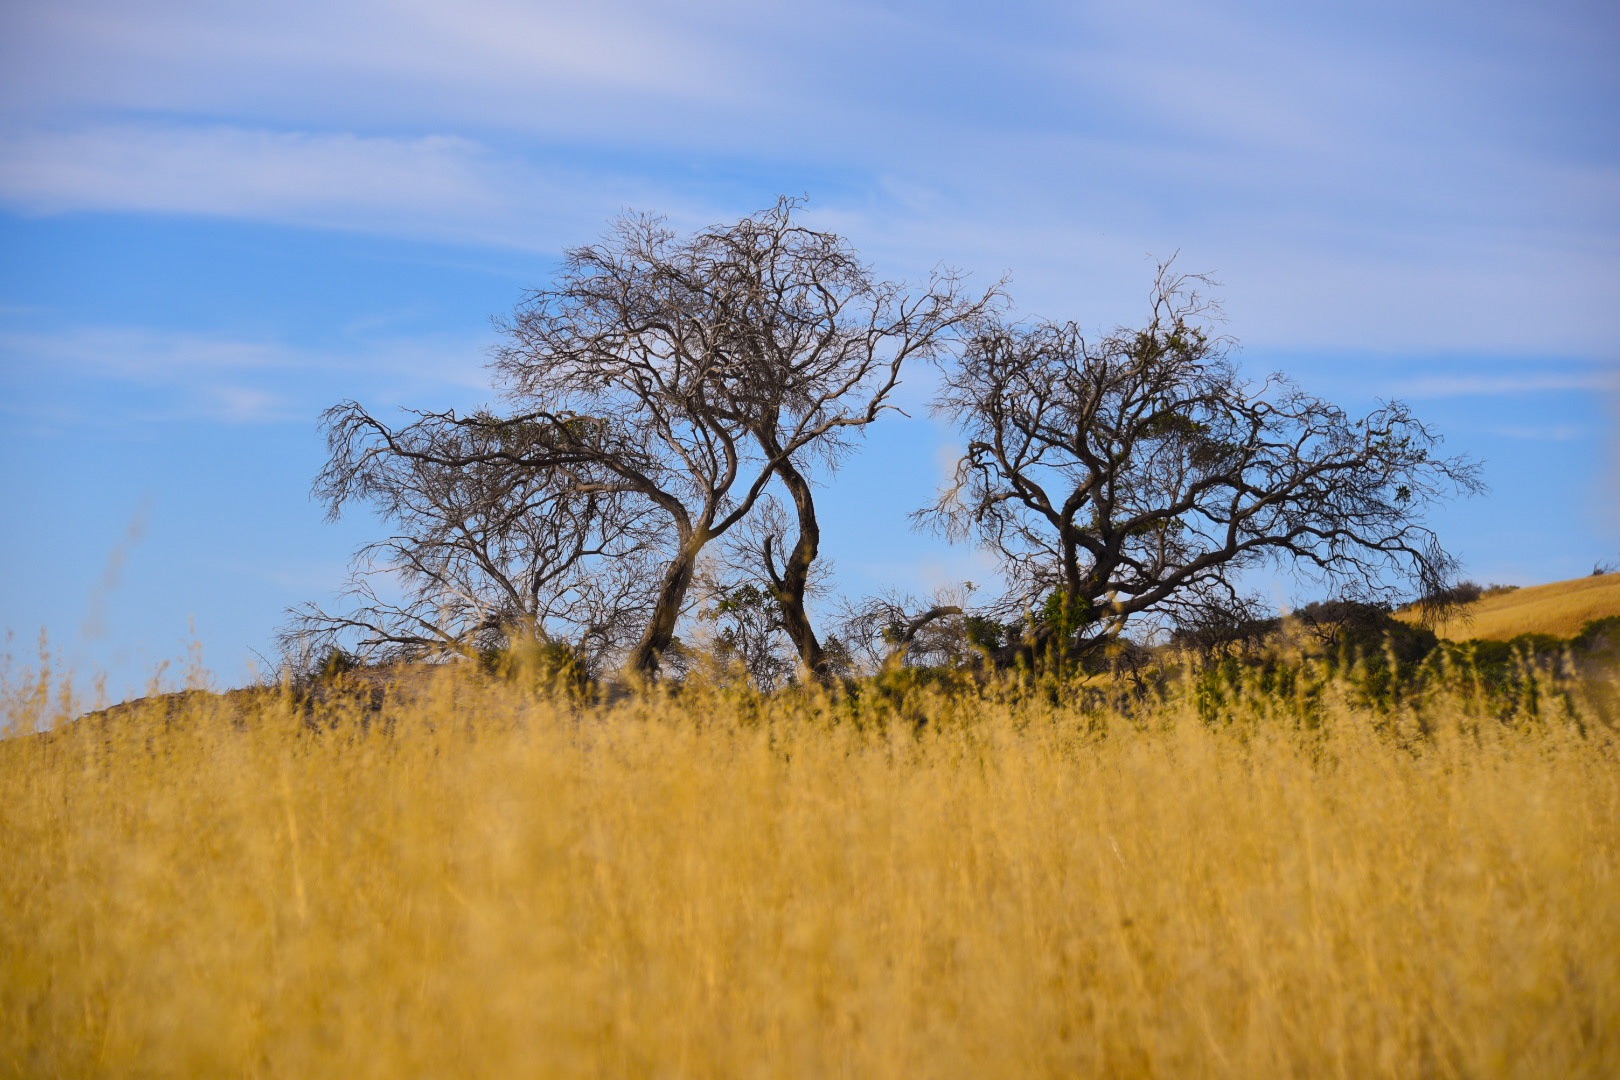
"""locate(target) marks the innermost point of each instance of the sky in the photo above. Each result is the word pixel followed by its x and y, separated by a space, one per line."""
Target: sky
pixel 217 219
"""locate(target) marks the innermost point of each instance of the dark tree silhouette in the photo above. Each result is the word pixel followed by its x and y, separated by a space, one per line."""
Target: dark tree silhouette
pixel 670 380
pixel 743 353
pixel 1134 476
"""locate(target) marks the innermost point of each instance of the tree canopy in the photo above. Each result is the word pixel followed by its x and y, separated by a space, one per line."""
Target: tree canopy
pixel 1134 476
pixel 656 390
pixel 664 390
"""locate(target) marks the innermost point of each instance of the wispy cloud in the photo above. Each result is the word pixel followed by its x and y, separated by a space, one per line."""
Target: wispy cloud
pixel 235 171
pixel 1543 432
pixel 371 57
pixel 439 187
pixel 1441 386
pixel 142 376
pixel 140 354
pixel 1366 179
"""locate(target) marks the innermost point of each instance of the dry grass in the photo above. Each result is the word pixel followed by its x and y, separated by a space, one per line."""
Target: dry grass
pixel 724 886
pixel 1560 609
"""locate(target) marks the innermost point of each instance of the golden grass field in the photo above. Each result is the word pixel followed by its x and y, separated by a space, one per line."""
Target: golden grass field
pixel 724 885
pixel 1559 609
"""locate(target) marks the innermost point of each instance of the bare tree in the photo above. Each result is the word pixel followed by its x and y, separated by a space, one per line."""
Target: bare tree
pixel 893 630
pixel 487 553
pixel 743 353
pixel 1239 626
pixel 746 632
pixel 1135 476
pixel 657 388
pixel 740 604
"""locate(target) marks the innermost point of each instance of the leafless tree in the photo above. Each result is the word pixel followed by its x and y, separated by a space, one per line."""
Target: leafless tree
pixel 1239 626
pixel 893 630
pixel 656 390
pixel 744 353
pixel 1135 476
pixel 739 604
pixel 486 552
pixel 745 632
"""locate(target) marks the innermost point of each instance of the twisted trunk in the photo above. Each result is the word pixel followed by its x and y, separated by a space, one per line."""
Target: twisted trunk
pixel 647 656
pixel 792 584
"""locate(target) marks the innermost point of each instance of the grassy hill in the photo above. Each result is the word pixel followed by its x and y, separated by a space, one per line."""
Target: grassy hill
pixel 714 882
pixel 1561 609
pixel 1270 866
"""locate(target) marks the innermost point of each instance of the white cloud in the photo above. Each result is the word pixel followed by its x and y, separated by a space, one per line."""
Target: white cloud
pixel 1543 433
pixel 1367 181
pixel 435 186
pixel 139 375
pixel 373 57
pixel 139 354
pixel 246 405
pixel 239 172
pixel 1440 386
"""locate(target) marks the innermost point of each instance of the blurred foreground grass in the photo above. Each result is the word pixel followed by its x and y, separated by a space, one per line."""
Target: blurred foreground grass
pixel 910 884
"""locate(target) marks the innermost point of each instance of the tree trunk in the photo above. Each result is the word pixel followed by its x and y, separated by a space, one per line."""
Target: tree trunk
pixel 660 631
pixel 795 579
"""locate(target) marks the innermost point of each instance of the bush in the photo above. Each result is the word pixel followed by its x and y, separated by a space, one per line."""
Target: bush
pixel 1464 592
pixel 1598 636
pixel 541 665
pixel 1349 630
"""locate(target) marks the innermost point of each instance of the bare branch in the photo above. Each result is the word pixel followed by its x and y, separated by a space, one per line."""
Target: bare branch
pixel 1135 476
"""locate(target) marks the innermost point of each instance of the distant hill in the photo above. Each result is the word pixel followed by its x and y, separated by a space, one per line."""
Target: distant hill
pixel 1560 609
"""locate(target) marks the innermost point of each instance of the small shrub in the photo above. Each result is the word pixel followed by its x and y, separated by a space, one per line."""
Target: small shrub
pixel 539 665
pixel 1599 635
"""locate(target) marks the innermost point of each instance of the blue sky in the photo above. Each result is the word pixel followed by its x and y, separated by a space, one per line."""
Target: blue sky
pixel 217 219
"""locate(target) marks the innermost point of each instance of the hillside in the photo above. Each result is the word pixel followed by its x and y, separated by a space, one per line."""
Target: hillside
pixel 1561 609
pixel 1242 879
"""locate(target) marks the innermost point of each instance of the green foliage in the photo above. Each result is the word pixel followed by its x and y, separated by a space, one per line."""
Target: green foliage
pixel 1389 667
pixel 987 634
pixel 550 666
pixel 335 663
pixel 1067 615
pixel 1345 634
pixel 738 599
pixel 1599 635
pixel 1171 422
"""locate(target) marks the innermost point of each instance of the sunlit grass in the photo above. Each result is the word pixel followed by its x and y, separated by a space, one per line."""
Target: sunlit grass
pixel 922 885
pixel 1560 609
